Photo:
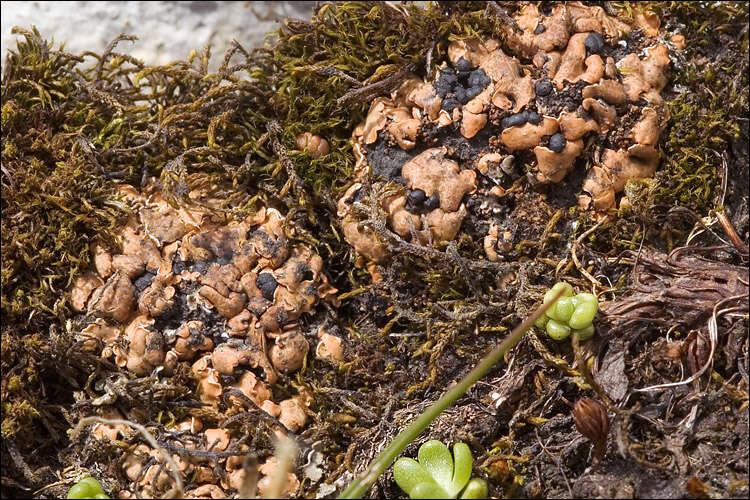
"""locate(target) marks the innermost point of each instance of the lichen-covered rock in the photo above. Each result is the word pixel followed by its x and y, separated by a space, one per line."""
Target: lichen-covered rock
pixel 589 82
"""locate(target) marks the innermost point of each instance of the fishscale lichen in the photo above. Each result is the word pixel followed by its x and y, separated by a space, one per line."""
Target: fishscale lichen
pixel 708 102
pixel 74 127
pixel 77 126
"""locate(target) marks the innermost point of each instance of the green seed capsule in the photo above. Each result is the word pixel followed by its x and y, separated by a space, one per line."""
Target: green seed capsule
pixel 557 330
pixel 583 315
pixel 477 488
pixel 541 321
pixel 585 333
pixel 558 286
pixel 93 483
pixel 562 310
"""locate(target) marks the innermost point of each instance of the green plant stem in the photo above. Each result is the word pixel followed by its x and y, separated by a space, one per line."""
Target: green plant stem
pixel 360 485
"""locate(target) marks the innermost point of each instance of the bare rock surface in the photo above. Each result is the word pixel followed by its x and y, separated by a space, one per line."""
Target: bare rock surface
pixel 166 31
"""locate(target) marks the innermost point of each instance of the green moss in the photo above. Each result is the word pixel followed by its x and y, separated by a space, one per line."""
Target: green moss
pixel 17 417
pixel 704 122
pixel 55 199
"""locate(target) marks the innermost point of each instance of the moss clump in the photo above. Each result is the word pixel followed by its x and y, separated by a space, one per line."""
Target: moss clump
pixel 710 83
pixel 22 360
pixel 47 166
pixel 17 416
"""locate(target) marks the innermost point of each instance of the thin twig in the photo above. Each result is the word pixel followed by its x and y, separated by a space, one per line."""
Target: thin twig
pixel 698 222
pixel 279 150
pixel 382 86
pixel 110 48
pixel 330 71
pixel 428 59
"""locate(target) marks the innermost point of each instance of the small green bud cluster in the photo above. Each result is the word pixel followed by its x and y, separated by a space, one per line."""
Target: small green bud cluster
pixel 569 313
pixel 87 487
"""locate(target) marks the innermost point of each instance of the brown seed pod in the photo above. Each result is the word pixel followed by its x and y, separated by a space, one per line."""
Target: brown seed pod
pixel 593 422
pixel 697 350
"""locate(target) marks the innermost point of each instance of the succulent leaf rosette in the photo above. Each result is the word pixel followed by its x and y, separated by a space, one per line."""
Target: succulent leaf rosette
pixel 569 313
pixel 87 487
pixel 437 474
